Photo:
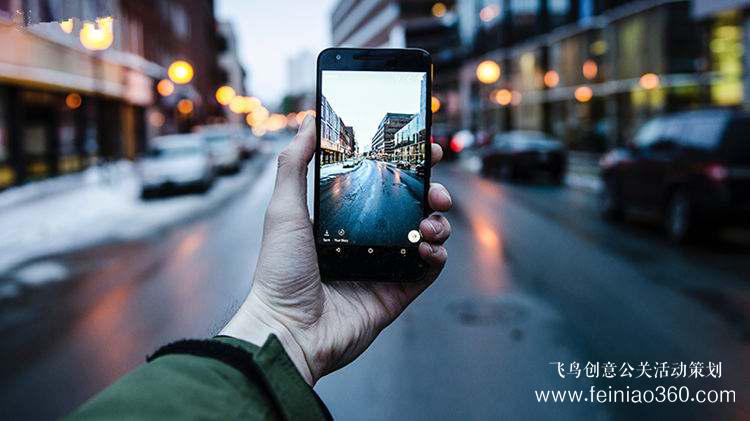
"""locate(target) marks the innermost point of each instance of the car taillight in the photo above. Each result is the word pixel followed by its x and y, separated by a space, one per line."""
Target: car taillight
pixel 717 172
pixel 456 145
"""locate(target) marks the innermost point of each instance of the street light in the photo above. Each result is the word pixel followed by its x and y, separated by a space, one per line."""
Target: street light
pixel 67 26
pixel 99 36
pixel 503 97
pixel 225 94
pixel 590 69
pixel 551 79
pixel 165 87
pixel 439 9
pixel 584 94
pixel 435 105
pixel 185 106
pixel 181 72
pixel 488 72
pixel 649 81
pixel 73 101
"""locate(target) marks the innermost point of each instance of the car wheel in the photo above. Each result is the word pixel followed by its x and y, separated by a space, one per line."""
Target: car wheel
pixel 558 177
pixel 611 203
pixel 678 219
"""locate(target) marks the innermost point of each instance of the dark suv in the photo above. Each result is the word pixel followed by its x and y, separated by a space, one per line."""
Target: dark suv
pixel 693 168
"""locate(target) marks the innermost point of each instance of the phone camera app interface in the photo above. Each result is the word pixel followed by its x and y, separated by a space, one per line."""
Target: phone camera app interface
pixel 372 160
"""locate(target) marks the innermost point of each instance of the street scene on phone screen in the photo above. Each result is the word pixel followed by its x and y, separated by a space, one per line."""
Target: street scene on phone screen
pixel 372 141
pixel 597 154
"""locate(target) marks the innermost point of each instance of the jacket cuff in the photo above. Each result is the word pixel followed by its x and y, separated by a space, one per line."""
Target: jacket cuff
pixel 295 398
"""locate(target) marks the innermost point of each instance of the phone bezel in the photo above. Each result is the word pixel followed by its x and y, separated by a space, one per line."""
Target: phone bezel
pixel 386 263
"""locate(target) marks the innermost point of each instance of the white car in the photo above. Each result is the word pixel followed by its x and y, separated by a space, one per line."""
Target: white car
pixel 224 150
pixel 176 163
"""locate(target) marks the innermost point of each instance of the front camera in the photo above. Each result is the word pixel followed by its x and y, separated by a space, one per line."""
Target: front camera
pixel 338 56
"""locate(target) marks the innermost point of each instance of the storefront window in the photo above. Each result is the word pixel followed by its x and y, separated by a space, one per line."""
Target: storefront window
pixel 7 175
pixel 726 60
pixel 68 159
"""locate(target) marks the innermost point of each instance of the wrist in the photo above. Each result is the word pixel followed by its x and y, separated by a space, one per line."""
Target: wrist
pixel 252 323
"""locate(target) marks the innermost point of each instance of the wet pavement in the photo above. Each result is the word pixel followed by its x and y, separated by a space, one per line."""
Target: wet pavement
pixel 349 202
pixel 534 277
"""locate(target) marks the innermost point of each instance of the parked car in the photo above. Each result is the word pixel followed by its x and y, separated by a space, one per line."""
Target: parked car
pixel 461 140
pixel 349 163
pixel 442 135
pixel 691 168
pixel 248 144
pixel 176 163
pixel 224 150
pixel 524 153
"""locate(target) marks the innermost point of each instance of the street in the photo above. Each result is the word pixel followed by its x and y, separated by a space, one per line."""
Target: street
pixel 534 277
pixel 353 201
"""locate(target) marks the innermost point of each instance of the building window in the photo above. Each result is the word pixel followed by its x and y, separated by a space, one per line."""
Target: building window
pixel 7 175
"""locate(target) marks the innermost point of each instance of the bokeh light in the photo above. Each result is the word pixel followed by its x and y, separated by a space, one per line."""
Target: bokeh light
pixel 73 101
pixel 551 79
pixel 180 72
pixel 165 87
pixel 97 36
pixel 489 12
pixel 584 94
pixel 439 10
pixel 649 81
pixel 435 105
pixel 67 26
pixel 185 106
pixel 225 95
pixel 503 97
pixel 488 72
pixel 590 69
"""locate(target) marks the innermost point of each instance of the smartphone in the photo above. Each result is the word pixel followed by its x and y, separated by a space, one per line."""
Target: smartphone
pixel 372 166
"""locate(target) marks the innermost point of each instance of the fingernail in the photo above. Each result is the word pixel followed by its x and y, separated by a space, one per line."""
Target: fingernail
pixel 433 228
pixel 446 196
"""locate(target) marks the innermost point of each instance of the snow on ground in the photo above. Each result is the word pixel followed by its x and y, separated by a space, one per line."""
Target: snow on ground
pixel 330 170
pixel 101 204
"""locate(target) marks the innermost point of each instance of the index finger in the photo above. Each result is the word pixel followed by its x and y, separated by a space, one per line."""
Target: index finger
pixel 437 153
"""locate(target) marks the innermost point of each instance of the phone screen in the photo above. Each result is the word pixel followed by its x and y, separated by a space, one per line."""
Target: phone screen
pixel 372 158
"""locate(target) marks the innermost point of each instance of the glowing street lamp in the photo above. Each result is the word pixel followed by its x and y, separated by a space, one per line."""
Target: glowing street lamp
pixel 551 79
pixel 73 101
pixel 590 69
pixel 225 94
pixel 180 72
pixel 185 106
pixel 583 94
pixel 97 36
pixel 439 9
pixel 165 87
pixel 67 26
pixel 488 72
pixel 503 97
pixel 435 105
pixel 649 81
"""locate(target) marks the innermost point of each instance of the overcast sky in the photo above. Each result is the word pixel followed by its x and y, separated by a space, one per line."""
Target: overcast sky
pixel 270 31
pixel 361 99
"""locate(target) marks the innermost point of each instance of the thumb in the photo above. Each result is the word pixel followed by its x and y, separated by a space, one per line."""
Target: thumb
pixel 290 192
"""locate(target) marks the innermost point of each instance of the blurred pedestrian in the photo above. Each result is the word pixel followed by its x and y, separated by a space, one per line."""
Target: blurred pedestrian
pixel 291 330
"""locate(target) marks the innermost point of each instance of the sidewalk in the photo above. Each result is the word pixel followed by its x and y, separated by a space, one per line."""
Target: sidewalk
pixel 96 206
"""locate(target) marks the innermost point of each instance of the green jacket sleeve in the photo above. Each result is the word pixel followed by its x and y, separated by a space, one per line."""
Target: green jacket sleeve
pixel 184 386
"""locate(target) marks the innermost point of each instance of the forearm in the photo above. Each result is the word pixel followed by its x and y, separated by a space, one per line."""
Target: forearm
pixel 187 386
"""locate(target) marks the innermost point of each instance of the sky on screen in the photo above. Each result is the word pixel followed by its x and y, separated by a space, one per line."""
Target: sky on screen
pixel 361 99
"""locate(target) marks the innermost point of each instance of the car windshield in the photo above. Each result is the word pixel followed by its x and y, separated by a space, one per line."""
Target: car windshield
pixel 525 139
pixel 171 151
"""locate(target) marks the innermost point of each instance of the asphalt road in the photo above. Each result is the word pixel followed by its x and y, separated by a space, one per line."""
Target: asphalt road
pixel 374 203
pixel 533 277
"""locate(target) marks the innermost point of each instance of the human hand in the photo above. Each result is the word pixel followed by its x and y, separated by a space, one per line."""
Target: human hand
pixel 323 326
